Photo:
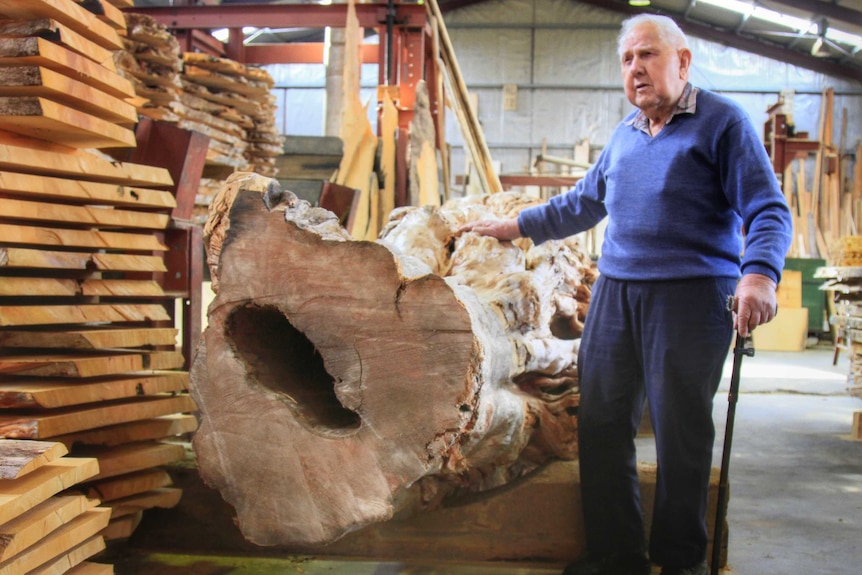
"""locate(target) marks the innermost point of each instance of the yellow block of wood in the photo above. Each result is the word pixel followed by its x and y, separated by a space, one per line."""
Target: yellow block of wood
pixel 787 332
pixel 789 291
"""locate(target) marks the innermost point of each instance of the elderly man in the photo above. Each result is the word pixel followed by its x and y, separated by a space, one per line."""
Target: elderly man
pixel 681 180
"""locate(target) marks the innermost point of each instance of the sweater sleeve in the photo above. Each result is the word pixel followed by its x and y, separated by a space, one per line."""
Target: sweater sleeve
pixel 574 211
pixel 754 192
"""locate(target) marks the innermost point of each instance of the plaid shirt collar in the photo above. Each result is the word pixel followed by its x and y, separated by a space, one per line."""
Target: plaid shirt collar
pixel 687 105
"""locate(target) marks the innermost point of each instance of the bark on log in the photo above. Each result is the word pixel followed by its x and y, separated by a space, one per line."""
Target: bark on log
pixel 342 382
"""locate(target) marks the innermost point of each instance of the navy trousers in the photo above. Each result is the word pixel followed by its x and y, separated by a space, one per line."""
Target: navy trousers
pixel 665 342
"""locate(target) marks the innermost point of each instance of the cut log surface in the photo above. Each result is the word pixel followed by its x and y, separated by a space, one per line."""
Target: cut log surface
pixel 19 457
pixel 357 379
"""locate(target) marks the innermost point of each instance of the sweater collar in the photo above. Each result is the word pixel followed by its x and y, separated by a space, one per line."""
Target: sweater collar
pixel 687 105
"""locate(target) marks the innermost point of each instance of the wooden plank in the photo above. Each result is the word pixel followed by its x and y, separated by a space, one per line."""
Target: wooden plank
pixel 60 542
pixel 69 13
pixel 96 239
pixel 44 187
pixel 80 165
pixel 83 215
pixel 65 421
pixel 47 259
pixel 123 527
pixel 18 496
pixel 30 527
pixel 87 568
pixel 122 288
pixel 58 33
pixel 114 461
pixel 89 339
pixel 129 484
pixel 76 557
pixel 106 12
pixel 856 432
pixel 49 120
pixel 20 315
pixel 35 81
pixel 13 286
pixel 53 394
pixel 34 51
pixel 19 457
pixel 163 498
pixel 88 365
pixel 157 428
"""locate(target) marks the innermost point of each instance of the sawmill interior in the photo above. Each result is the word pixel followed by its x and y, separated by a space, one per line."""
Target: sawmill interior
pixel 243 329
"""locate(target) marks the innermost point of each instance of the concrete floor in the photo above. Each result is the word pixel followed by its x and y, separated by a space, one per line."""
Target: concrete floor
pixel 795 476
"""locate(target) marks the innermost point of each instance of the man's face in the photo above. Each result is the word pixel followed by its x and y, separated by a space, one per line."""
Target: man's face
pixel 654 72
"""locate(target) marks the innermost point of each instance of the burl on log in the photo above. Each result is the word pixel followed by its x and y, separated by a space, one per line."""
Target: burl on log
pixel 343 382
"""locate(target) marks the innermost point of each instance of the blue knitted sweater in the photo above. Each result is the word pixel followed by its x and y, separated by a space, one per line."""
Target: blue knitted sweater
pixel 677 203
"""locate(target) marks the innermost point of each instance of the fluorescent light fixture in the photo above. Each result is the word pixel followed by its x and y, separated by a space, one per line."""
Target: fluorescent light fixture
pixel 222 34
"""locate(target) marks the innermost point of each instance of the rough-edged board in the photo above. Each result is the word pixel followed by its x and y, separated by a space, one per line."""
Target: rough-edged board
pixel 49 120
pixel 18 496
pixel 89 339
pixel 30 394
pixel 88 365
pixel 87 568
pixel 41 236
pixel 157 428
pixel 69 562
pixel 12 315
pixel 30 527
pixel 82 165
pixel 47 259
pixel 122 459
pixel 64 421
pixel 122 527
pixel 163 498
pixel 36 81
pixel 129 484
pixel 59 33
pixel 224 82
pixel 15 286
pixel 83 215
pixel 20 457
pixel 69 13
pixel 60 542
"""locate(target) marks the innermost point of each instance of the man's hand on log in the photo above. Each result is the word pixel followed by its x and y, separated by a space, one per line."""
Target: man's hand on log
pixel 500 229
pixel 754 303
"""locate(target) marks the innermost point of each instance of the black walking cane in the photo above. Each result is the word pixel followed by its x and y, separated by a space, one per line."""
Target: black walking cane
pixel 739 349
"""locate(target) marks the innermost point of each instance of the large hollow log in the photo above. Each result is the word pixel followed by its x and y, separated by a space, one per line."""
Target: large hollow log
pixel 343 382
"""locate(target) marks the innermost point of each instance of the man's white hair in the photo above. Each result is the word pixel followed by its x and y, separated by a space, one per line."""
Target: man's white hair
pixel 668 30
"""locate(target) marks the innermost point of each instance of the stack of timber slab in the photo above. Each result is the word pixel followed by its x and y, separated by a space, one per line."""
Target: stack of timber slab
pixel 152 61
pixel 844 280
pixel 88 354
pixel 47 526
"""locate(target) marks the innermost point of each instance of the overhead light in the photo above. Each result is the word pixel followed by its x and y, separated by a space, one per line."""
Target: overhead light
pixel 639 3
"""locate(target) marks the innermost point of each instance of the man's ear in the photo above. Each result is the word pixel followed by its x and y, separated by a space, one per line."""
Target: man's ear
pixel 684 63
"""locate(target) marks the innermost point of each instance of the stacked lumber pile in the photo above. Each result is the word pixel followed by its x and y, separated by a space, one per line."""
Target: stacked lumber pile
pixel 844 280
pixel 47 527
pixel 88 354
pixel 151 60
